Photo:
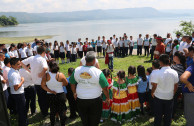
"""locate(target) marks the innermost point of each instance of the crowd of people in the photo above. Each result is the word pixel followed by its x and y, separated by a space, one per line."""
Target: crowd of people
pixel 31 70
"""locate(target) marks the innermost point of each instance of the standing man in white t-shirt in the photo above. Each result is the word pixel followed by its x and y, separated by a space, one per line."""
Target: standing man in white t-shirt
pixel 87 83
pixel 146 44
pixel 126 44
pixel 110 51
pixel 131 45
pixel 104 43
pixel 99 46
pixel 39 67
pixel 139 45
pixel 121 45
pixel 165 84
pixel 154 43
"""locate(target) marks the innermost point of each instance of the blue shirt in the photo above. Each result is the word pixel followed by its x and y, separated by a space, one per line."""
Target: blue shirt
pixel 142 86
pixel 190 79
pixel 189 61
pixel 93 44
pixel 64 87
pixel 7 55
pixel 34 44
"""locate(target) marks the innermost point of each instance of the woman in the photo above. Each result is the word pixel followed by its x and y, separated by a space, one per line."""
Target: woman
pixel 179 66
pixel 56 51
pixel 53 83
pixel 62 52
pixel 188 90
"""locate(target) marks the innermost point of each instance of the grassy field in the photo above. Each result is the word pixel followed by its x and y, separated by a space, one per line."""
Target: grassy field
pixel 9 40
pixel 119 64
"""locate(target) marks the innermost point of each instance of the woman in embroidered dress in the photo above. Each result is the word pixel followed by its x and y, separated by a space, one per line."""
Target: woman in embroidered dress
pixel 120 107
pixel 106 109
pixel 132 81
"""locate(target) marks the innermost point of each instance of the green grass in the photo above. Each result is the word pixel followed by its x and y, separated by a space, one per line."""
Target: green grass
pixel 119 64
pixel 9 40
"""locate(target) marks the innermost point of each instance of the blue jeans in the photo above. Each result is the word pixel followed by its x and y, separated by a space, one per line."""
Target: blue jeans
pixel 110 64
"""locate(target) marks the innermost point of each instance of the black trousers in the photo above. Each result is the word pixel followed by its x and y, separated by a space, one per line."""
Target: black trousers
pixel 131 50
pixel 116 52
pixel 139 50
pixel 57 105
pixel 11 103
pixel 71 100
pixel 178 92
pixel 90 111
pixel 151 102
pixel 146 49
pixel 126 51
pixel 30 95
pixel 121 52
pixel 74 57
pixel 6 95
pixel 80 53
pixel 42 100
pixel 103 50
pixel 20 105
pixel 162 107
pixel 85 53
pixel 152 52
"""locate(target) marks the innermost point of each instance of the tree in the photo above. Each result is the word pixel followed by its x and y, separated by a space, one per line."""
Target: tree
pixel 187 28
pixel 5 21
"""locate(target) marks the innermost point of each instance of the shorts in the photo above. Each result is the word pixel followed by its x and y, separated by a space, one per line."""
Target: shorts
pixel 99 49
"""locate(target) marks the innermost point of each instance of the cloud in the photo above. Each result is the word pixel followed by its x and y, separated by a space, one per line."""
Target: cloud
pixel 76 5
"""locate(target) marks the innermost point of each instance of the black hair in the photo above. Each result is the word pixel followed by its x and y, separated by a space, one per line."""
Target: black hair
pixel 156 64
pixel 176 41
pixel 181 57
pixel 70 70
pixel 141 72
pixel 149 70
pixel 121 74
pixel 6 61
pixel 40 50
pixel 53 66
pixel 5 50
pixel 106 72
pixel 37 42
pixel 190 38
pixel 12 45
pixel 164 58
pixel 14 60
pixel 131 70
pixel 191 48
pixel 10 48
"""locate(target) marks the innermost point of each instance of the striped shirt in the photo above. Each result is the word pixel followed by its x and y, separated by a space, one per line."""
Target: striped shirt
pixel 179 68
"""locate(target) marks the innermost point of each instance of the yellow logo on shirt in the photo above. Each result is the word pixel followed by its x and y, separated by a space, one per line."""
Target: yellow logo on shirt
pixel 85 75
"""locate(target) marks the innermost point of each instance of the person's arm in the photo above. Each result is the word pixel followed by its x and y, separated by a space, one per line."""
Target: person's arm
pixel 42 73
pixel 73 85
pixel 184 78
pixel 97 65
pixel 44 86
pixel 25 67
pixel 17 86
pixel 63 79
pixel 154 86
pixel 106 93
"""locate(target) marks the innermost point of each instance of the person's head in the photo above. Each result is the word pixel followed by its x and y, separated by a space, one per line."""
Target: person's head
pixel 176 42
pixel 131 37
pixel 147 36
pixel 184 38
pixel 25 44
pixel 86 39
pixel 140 35
pixel 164 60
pixel 121 74
pixel 189 39
pixel 178 35
pixel 55 43
pixel 61 44
pixel 179 58
pixel 98 37
pixel 11 48
pixel 90 58
pixel 106 73
pixel 4 50
pixel 41 51
pixel 117 39
pixel 155 36
pixel 114 36
pixel 50 44
pixel 70 71
pixel 123 38
pixel 7 62
pixel 2 56
pixel 155 64
pixel 111 38
pixel 79 39
pixel 15 63
pixel 92 40
pixel 53 67
pixel 120 38
pixel 38 43
pixel 81 43
pixel 22 45
pixel 159 39
pixel 141 72
pixel 67 41
pixel 131 70
pixel 89 43
pixel 168 35
pixel 74 45
pixel 103 37
pixel 191 51
pixel 29 45
pixel 149 71
pixel 109 42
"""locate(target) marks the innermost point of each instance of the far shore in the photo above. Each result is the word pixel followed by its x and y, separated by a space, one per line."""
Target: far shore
pixel 9 40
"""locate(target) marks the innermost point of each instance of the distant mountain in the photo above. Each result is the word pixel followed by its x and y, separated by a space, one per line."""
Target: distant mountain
pixel 127 13
pixel 180 11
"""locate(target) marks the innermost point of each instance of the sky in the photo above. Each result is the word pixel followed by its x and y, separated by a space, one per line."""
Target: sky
pixel 37 6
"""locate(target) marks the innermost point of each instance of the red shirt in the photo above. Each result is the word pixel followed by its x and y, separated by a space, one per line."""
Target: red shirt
pixel 85 48
pixel 161 49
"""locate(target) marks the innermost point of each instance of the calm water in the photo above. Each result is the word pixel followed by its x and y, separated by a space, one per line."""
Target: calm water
pixel 92 29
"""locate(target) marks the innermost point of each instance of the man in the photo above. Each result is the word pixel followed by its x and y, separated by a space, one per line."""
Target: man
pixel 154 43
pixel 126 44
pixel 139 45
pixel 121 47
pixel 39 67
pixel 110 51
pixel 168 39
pixel 90 82
pixel 182 44
pixel 104 43
pixel 146 44
pixel 160 48
pixel 165 84
pixel 131 45
pixel 17 90
pixel 178 37
pixel 99 46
pixel 115 43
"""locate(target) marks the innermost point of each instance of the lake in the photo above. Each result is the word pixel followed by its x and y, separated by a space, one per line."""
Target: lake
pixel 94 28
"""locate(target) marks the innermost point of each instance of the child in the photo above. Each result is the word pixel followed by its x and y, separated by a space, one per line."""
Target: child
pixel 85 47
pixel 68 51
pixel 80 50
pixel 22 52
pixel 17 90
pixel 5 52
pixel 120 106
pixel 142 86
pixel 175 46
pixel 131 82
pixel 70 98
pixel 2 58
pixel 131 45
pixel 62 52
pixel 148 72
pixel 29 50
pixel 110 52
pixel 56 51
pixel 74 53
pixel 106 109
